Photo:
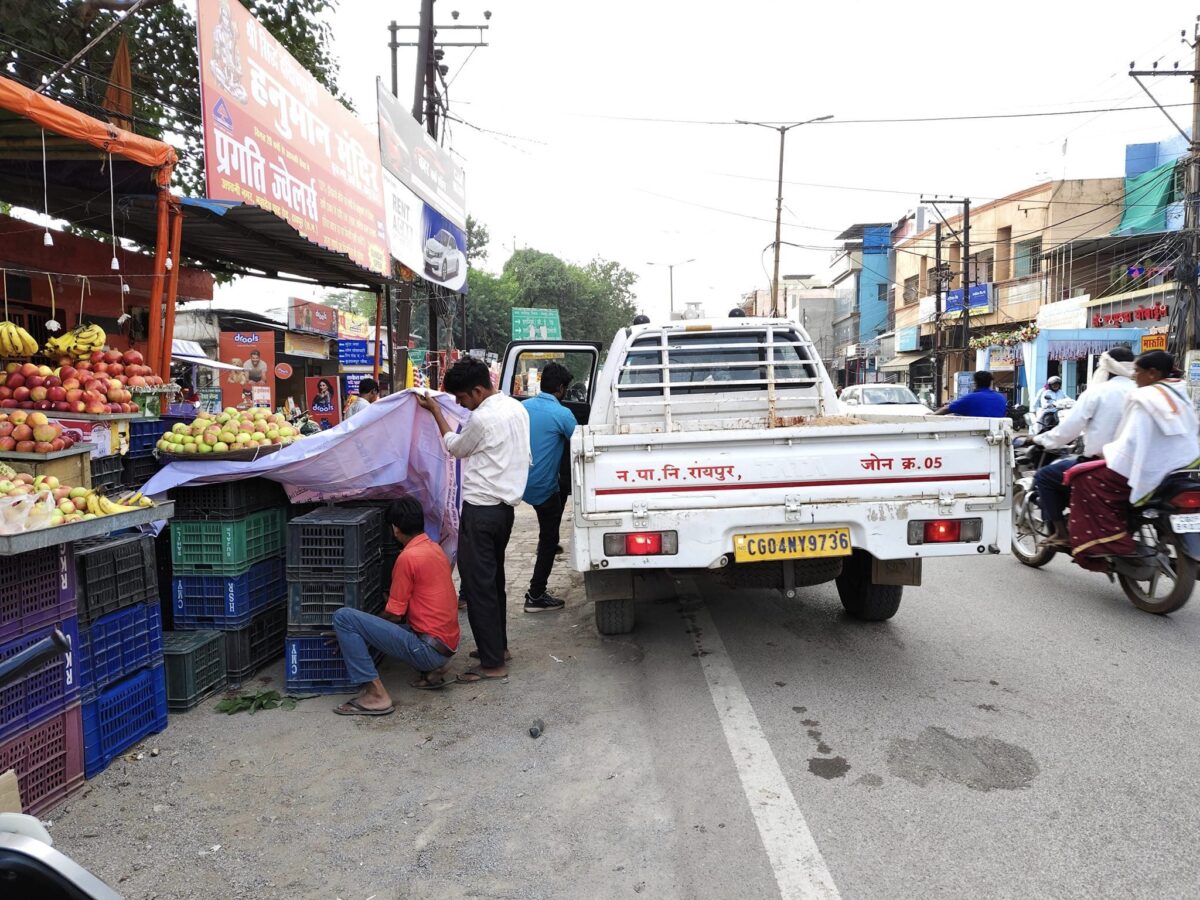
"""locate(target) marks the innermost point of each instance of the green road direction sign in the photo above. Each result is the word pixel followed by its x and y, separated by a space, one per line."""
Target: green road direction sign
pixel 535 324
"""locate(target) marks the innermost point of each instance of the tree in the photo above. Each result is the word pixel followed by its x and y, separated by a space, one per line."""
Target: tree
pixel 40 36
pixel 477 242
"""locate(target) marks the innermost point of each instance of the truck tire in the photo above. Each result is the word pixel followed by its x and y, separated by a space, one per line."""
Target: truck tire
pixel 862 599
pixel 615 616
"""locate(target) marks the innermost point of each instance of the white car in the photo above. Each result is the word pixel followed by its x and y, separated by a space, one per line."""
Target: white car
pixel 441 256
pixel 867 400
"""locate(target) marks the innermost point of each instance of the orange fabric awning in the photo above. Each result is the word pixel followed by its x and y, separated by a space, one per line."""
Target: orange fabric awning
pixel 62 119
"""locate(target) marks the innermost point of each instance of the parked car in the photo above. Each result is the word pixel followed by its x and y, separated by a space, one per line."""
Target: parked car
pixel 442 256
pixel 869 400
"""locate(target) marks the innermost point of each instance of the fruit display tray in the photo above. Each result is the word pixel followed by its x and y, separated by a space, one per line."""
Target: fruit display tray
pixel 25 541
pixel 90 417
pixel 248 455
pixel 46 457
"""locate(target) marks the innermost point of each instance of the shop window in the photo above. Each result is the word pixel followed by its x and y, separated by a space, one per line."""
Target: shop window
pixel 912 288
pixel 1027 259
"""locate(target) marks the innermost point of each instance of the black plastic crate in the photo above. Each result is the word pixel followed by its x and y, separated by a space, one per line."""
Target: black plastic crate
pixel 137 470
pixel 227 499
pixel 107 471
pixel 249 649
pixel 311 604
pixel 333 543
pixel 112 573
pixel 195 666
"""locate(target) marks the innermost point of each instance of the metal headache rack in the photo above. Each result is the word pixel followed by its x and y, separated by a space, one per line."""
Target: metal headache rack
pixel 675 372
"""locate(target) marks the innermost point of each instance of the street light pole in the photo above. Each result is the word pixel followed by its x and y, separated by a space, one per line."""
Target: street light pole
pixel 783 130
pixel 671 276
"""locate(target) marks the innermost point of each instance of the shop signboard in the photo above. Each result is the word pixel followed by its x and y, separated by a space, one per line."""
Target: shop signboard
pixel 530 324
pixel 275 138
pixel 1155 312
pixel 1065 315
pixel 908 339
pixel 979 299
pixel 964 383
pixel 324 400
pixel 310 346
pixel 313 318
pixel 353 326
pixel 927 309
pixel 253 384
pixel 1154 342
pixel 356 353
pixel 352 382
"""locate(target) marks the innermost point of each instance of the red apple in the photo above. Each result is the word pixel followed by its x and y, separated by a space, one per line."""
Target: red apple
pixel 8 403
pixel 115 368
pixel 134 381
pixel 24 446
pixel 55 394
pixel 15 380
pixel 12 367
pixel 97 356
pixel 101 368
pixel 58 444
pixel 43 447
pixel 6 428
pixel 67 372
pixel 37 394
pixel 96 408
pixel 77 406
pixel 7 444
pixel 52 381
pixel 83 365
pixel 21 393
pixel 34 381
pixel 22 432
pixel 5 393
pixel 60 406
pixel 28 369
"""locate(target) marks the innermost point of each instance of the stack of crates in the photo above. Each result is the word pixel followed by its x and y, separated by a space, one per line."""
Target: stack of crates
pixel 227 542
pixel 41 730
pixel 333 560
pixel 120 647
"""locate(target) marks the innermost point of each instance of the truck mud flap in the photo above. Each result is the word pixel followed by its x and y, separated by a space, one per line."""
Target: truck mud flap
pixel 896 571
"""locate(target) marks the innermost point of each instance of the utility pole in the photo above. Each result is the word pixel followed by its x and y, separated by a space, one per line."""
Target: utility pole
pixel 671 274
pixel 783 130
pixel 937 315
pixel 964 240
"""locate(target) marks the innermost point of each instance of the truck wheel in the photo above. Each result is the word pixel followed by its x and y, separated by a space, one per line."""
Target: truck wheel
pixel 862 599
pixel 615 616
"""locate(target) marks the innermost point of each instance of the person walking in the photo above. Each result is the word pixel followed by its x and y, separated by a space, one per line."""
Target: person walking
pixel 368 393
pixel 550 428
pixel 495 443
pixel 419 625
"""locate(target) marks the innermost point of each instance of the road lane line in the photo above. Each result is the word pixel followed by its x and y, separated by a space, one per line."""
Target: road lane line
pixel 799 868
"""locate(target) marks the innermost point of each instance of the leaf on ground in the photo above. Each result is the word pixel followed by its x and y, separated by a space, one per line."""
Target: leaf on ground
pixel 262 700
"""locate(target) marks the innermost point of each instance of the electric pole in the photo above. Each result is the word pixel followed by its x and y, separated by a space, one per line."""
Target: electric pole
pixel 671 274
pixel 964 240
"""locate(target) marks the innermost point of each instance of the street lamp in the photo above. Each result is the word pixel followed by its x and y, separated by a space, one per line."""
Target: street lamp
pixel 783 130
pixel 671 271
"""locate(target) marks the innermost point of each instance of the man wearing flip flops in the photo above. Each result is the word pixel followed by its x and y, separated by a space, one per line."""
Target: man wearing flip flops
pixel 419 624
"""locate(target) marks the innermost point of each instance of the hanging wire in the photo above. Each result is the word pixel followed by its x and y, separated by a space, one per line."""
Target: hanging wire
pixel 84 285
pixel 47 238
pixel 112 215
pixel 52 325
pixel 4 277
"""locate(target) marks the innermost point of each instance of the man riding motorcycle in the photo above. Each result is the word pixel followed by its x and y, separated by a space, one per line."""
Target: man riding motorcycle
pixel 1044 403
pixel 1096 416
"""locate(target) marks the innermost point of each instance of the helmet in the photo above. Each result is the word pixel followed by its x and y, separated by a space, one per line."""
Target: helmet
pixel 1053 379
pixel 737 313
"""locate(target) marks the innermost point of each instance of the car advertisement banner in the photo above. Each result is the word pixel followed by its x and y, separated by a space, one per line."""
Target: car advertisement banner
pixel 275 138
pixel 253 352
pixel 405 222
pixel 324 400
pixel 314 318
pixel 445 251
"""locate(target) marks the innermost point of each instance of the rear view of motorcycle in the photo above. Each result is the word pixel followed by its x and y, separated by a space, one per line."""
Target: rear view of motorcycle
pixel 1166 530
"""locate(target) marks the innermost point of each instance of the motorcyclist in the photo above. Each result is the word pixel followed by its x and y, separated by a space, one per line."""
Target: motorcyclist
pixel 1049 395
pixel 1095 416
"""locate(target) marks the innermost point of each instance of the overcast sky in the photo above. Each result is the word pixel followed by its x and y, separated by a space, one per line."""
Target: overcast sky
pixel 566 174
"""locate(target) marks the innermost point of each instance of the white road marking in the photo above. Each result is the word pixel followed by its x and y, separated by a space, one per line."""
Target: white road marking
pixel 799 868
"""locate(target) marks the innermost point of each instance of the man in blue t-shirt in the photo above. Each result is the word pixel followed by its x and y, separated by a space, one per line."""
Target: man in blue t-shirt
pixel 550 428
pixel 984 401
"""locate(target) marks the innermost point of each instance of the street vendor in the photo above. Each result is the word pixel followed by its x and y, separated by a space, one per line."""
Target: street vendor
pixel 419 625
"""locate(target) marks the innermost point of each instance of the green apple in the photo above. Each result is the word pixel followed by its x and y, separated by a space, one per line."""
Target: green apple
pixel 204 448
pixel 221 447
pixel 258 436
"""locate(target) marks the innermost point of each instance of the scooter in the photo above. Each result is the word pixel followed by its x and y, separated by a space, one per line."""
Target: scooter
pixel 1166 529
pixel 29 864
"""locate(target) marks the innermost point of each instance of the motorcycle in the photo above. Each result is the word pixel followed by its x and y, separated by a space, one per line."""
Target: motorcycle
pixel 1048 417
pixel 1166 529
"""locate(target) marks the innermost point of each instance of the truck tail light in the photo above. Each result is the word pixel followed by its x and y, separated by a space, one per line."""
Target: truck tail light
pixel 945 531
pixel 641 543
pixel 1186 500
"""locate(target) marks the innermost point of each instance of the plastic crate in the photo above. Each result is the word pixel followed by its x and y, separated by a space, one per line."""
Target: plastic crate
pixel 118 644
pixel 333 543
pixel 226 548
pixel 313 665
pixel 48 760
pixel 120 716
pixel 137 470
pixel 44 692
pixel 112 573
pixel 195 666
pixel 226 601
pixel 227 499
pixel 249 649
pixel 106 471
pixel 36 588
pixel 143 435
pixel 311 604
pixel 162 558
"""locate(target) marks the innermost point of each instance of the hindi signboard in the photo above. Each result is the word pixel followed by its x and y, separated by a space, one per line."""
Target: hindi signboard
pixel 275 138
pixel 529 324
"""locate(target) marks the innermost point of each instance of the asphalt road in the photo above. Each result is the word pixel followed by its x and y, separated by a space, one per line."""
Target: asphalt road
pixel 1010 733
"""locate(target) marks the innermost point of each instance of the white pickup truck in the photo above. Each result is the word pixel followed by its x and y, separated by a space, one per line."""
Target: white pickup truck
pixel 718 449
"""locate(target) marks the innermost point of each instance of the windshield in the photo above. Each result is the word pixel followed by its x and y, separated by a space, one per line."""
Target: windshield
pixel 892 394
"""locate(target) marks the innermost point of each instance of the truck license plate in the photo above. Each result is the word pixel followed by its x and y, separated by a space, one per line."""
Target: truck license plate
pixel 769 545
pixel 1187 523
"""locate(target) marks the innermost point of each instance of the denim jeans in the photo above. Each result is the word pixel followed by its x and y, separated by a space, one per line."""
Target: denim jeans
pixel 358 631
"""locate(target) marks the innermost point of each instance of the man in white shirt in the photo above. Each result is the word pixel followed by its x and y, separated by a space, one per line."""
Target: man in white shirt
pixel 1096 416
pixel 368 393
pixel 495 441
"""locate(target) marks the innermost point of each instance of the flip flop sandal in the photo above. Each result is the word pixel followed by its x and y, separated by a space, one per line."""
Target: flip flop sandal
pixel 424 684
pixel 357 709
pixel 479 677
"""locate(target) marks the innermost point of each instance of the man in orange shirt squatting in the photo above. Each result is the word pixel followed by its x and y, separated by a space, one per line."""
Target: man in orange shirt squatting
pixel 419 624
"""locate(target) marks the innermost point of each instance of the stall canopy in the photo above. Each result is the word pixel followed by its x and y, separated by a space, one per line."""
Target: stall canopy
pixel 902 361
pixel 192 353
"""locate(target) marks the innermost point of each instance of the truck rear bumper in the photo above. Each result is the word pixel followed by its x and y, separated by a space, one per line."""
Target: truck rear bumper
pixel 706 537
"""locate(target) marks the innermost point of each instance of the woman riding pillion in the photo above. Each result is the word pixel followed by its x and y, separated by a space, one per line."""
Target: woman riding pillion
pixel 1157 435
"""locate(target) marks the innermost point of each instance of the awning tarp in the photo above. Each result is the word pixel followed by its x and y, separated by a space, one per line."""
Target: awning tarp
pixel 902 361
pixel 1146 199
pixel 204 361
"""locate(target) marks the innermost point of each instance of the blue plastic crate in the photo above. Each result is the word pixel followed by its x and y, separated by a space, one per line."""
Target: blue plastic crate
pixel 121 715
pixel 118 644
pixel 313 664
pixel 144 434
pixel 226 602
pixel 44 692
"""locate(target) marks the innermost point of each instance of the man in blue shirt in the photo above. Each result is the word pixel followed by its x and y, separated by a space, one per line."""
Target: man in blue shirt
pixel 550 428
pixel 984 401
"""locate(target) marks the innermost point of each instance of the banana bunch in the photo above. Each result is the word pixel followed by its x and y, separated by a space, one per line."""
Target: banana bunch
pixel 100 505
pixel 132 500
pixel 79 342
pixel 15 341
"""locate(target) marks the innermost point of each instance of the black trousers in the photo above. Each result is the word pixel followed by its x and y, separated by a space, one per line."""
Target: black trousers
pixel 483 534
pixel 549 514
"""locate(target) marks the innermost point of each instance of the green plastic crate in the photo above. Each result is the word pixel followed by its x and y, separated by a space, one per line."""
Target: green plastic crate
pixel 195 666
pixel 227 548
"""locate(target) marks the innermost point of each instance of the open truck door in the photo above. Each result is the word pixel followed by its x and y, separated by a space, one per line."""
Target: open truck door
pixel 524 360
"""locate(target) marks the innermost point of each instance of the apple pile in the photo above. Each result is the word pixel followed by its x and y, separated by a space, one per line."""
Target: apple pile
pixel 94 386
pixel 233 429
pixel 31 432
pixel 50 502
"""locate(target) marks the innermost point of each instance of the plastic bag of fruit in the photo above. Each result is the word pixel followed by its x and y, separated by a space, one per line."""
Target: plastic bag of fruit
pixel 25 512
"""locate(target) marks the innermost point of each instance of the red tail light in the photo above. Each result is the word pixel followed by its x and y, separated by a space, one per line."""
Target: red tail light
pixel 943 531
pixel 642 543
pixel 1186 500
pixel 648 544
